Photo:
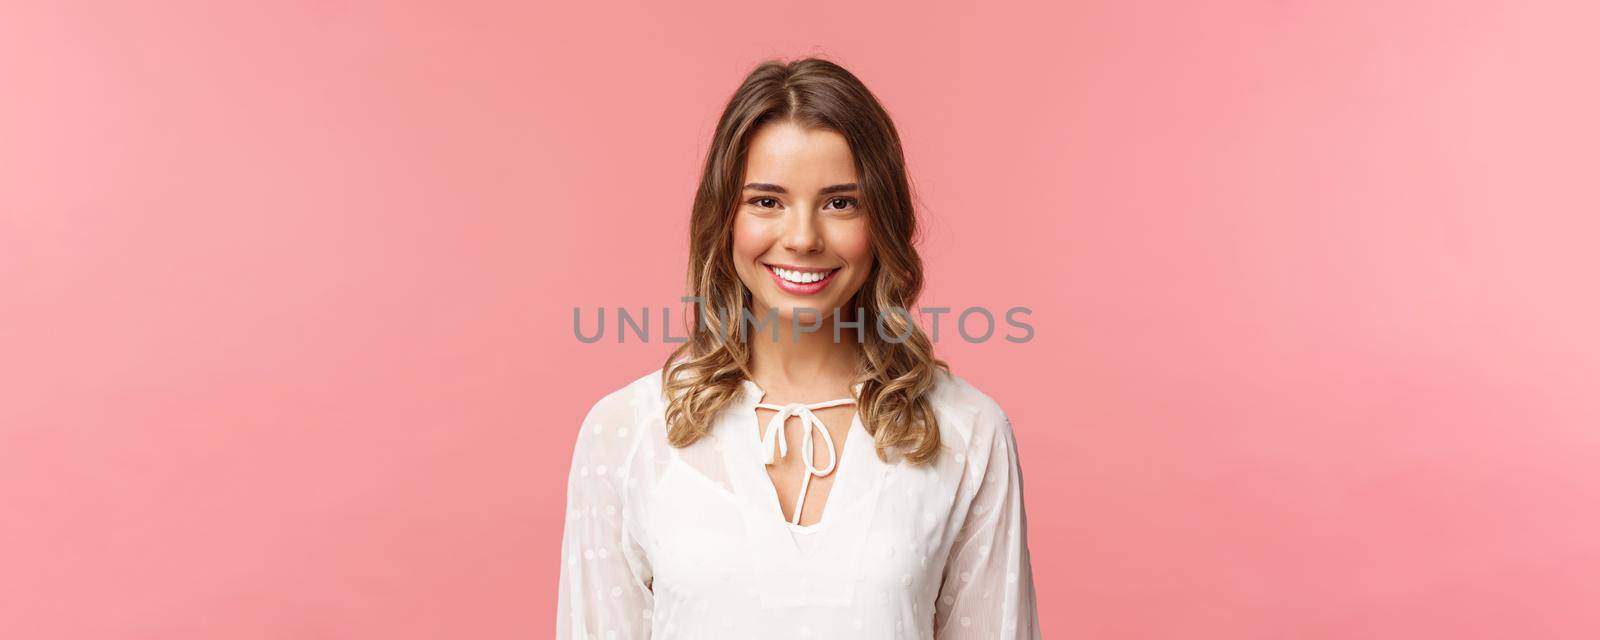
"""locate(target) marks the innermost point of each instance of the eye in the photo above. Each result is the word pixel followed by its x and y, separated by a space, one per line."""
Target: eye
pixel 842 202
pixel 764 202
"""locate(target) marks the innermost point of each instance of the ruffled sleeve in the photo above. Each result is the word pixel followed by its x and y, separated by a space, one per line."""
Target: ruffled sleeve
pixel 605 589
pixel 987 590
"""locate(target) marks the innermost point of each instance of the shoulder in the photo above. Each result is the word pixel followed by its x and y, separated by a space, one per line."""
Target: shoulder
pixel 967 415
pixel 615 423
pixel 630 402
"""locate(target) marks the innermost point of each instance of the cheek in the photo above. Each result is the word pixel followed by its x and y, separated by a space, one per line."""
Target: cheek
pixel 854 245
pixel 749 240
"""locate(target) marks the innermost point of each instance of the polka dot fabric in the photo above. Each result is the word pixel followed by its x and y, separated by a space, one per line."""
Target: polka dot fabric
pixel 669 543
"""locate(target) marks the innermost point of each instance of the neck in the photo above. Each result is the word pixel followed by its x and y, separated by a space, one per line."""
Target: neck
pixel 783 358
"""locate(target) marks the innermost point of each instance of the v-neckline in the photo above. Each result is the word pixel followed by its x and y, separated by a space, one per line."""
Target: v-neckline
pixel 773 502
pixel 780 554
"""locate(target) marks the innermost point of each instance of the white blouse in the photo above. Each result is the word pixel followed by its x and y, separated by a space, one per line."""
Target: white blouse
pixel 666 543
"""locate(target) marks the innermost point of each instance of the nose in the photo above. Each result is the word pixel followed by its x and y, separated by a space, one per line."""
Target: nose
pixel 801 234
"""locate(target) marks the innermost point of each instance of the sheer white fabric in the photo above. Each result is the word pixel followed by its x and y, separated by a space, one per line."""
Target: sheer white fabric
pixel 669 543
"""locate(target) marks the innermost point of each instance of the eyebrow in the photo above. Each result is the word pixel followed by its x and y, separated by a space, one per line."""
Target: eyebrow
pixel 837 188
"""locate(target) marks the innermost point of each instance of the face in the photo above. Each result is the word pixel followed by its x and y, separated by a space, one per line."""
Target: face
pixel 800 236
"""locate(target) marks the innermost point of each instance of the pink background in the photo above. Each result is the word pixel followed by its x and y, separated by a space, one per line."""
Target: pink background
pixel 286 298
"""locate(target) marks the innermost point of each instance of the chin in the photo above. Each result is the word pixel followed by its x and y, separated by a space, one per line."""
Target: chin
pixel 788 308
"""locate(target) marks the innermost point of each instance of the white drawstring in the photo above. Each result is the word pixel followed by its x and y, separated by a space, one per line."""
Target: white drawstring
pixel 773 446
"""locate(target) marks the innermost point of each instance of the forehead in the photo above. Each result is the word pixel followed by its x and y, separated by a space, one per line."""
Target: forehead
pixel 787 154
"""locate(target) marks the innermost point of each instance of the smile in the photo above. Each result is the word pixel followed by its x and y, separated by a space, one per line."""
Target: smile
pixel 800 281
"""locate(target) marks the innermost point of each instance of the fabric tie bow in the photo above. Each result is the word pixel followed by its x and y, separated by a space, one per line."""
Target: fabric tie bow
pixel 774 446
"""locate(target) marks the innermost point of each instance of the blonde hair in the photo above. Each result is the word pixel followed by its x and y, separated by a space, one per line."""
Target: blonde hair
pixel 705 374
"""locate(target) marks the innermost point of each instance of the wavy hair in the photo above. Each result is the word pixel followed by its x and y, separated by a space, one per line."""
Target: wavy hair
pixel 704 374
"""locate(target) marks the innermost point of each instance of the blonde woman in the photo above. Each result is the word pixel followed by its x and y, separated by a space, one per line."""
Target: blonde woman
pixel 802 466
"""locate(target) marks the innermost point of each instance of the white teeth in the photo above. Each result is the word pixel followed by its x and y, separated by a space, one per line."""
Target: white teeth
pixel 800 277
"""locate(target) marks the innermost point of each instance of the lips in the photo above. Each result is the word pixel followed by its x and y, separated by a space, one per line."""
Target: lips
pixel 799 280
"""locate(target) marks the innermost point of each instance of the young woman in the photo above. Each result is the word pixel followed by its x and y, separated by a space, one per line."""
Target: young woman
pixel 803 466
